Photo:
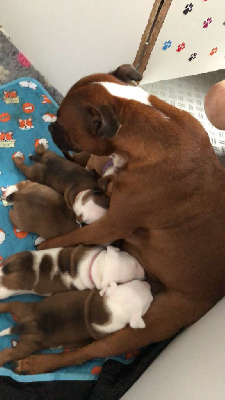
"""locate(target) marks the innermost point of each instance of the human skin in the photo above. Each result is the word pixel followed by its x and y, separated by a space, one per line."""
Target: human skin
pixel 215 105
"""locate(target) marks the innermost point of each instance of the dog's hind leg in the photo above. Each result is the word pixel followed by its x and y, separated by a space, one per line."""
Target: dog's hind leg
pixel 35 157
pixel 27 171
pixel 24 348
pixel 40 150
pixel 33 172
pixel 21 311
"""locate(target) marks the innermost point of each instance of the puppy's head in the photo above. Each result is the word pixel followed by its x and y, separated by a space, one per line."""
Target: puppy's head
pixel 88 118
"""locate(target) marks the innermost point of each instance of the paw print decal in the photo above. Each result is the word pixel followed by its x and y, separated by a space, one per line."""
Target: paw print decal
pixel 213 51
pixel 188 8
pixel 180 47
pixel 167 45
pixel 192 56
pixel 207 22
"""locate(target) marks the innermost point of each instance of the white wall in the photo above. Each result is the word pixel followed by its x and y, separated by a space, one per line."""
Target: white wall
pixel 68 39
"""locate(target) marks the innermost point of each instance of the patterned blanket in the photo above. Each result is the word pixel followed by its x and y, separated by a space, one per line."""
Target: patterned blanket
pixel 26 109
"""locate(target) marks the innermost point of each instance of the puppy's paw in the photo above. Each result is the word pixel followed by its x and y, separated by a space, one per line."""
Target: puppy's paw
pixel 38 240
pixel 42 245
pixel 103 291
pixel 109 290
pixel 46 244
pixel 18 158
pixel 31 366
pixel 137 322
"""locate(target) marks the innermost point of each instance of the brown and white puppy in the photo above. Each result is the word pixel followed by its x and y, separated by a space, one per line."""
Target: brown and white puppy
pixel 105 169
pixel 74 319
pixel 100 167
pixel 39 209
pixel 167 202
pixel 68 179
pixel 99 164
pixel 46 272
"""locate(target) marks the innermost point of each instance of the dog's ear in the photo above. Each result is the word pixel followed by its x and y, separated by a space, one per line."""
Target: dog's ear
pixel 104 181
pixel 96 190
pixel 96 314
pixel 104 121
pixel 127 73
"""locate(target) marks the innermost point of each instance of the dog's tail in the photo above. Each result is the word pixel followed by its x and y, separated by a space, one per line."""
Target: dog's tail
pixel 17 329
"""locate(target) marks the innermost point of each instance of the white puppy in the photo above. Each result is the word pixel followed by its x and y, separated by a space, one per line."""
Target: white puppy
pixel 127 304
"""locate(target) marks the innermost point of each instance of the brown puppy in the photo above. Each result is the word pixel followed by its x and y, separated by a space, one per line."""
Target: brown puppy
pixel 100 167
pixel 99 164
pixel 105 170
pixel 167 202
pixel 69 179
pixel 39 209
pixel 54 171
pixel 74 318
pixel 60 320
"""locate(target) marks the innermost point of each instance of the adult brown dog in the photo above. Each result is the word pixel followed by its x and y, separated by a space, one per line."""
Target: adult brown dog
pixel 167 203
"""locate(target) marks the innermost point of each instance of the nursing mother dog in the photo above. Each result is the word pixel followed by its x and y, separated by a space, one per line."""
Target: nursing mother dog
pixel 167 203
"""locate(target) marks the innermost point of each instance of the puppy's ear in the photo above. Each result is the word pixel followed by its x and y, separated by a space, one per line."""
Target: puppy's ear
pixel 104 181
pixel 104 121
pixel 96 190
pixel 127 73
pixel 69 197
pixel 96 314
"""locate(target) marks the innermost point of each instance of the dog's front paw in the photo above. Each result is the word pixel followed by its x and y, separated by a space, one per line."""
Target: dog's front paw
pixel 108 290
pixel 103 291
pixel 44 245
pixel 137 322
pixel 32 365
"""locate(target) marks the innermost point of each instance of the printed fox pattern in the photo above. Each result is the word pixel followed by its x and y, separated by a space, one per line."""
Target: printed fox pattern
pixel 5 136
pixel 45 100
pixel 25 124
pixel 10 97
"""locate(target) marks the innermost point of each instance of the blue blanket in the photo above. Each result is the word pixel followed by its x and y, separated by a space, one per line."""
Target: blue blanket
pixel 26 109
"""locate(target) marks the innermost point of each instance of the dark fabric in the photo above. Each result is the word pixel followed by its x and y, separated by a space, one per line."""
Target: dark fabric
pixel 59 390
pixel 114 380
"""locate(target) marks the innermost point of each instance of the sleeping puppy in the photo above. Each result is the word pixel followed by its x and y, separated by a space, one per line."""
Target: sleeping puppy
pixel 105 169
pixel 46 272
pixel 39 209
pixel 74 319
pixel 68 179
